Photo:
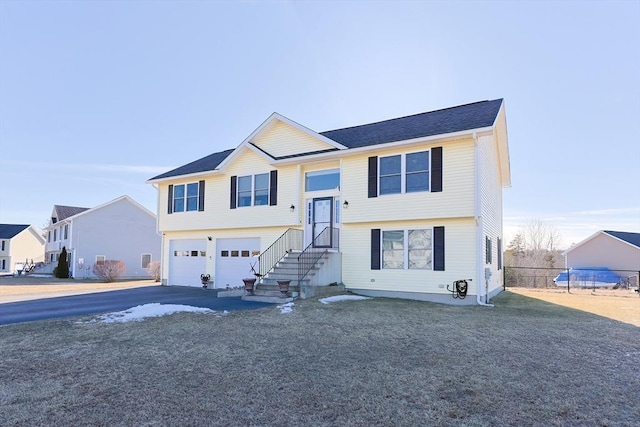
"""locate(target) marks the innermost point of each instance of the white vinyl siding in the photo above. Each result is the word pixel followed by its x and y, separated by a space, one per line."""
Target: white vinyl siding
pixel 283 139
pixel 459 255
pixel 457 199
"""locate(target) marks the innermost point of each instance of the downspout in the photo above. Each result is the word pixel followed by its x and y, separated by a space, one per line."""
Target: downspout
pixel 478 218
pixel 162 257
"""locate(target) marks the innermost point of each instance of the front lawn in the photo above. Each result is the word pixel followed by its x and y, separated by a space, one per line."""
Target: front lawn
pixel 349 363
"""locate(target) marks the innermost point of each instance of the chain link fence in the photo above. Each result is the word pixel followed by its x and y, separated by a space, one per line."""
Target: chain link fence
pixel 559 278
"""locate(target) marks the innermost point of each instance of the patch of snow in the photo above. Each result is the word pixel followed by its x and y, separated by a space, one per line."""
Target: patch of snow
pixel 39 275
pixel 336 298
pixel 286 308
pixel 141 312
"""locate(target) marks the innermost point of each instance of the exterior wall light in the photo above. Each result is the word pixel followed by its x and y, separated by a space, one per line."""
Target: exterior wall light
pixel 345 204
pixel 292 208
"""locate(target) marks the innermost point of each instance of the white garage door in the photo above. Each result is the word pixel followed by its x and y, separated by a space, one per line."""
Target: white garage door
pixel 234 258
pixel 187 261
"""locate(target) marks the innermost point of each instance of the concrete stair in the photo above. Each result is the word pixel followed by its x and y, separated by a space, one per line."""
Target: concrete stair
pixel 286 269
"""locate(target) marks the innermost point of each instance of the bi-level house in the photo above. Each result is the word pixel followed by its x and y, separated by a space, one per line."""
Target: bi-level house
pixel 21 247
pixel 403 207
pixel 121 229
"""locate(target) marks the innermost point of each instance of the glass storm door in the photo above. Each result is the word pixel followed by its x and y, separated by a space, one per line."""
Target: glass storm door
pixel 322 221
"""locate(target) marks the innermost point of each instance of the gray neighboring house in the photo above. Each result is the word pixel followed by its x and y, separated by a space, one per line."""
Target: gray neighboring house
pixel 121 229
pixel 619 251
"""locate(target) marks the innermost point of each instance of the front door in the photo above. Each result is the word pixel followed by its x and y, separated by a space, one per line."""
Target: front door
pixel 321 225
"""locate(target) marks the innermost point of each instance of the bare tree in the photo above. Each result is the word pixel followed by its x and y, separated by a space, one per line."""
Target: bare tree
pixel 535 246
pixel 538 236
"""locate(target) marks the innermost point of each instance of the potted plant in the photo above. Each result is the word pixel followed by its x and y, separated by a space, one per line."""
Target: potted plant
pixel 249 283
pixel 284 286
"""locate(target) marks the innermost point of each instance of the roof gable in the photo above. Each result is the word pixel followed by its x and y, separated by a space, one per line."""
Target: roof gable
pixel 449 120
pixel 111 202
pixel 9 231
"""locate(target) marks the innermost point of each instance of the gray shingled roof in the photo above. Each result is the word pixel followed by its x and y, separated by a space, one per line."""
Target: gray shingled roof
pixel 204 164
pixel 455 119
pixel 633 238
pixel 65 212
pixel 8 231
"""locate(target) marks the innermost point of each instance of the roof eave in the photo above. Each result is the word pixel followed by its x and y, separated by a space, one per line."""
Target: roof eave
pixel 376 147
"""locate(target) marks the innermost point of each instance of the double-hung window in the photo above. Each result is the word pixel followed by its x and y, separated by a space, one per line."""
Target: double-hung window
pixel 253 190
pixel 261 189
pixel 407 249
pixel 404 173
pixel 186 197
pixel 244 190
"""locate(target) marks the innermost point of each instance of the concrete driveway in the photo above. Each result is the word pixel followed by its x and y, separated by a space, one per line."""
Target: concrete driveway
pixel 105 302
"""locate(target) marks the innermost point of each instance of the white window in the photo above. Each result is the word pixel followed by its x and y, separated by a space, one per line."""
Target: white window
pixel 404 173
pixel 322 180
pixel 145 260
pixel 253 190
pixel 186 197
pixel 55 235
pixel 407 249
pixel 66 231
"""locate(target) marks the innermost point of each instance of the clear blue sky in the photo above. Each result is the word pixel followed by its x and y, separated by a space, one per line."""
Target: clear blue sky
pixel 98 96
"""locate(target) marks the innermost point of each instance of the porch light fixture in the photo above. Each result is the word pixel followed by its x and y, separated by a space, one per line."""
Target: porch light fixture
pixel 292 208
pixel 209 238
pixel 345 204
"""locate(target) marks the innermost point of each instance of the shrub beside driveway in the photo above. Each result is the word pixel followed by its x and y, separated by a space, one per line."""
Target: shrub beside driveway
pixel 358 363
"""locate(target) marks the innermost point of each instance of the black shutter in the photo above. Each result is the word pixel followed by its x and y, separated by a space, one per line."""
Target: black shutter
pixel 436 169
pixel 373 176
pixel 201 196
pixel 375 249
pixel 438 248
pixel 273 188
pixel 170 202
pixel 499 253
pixel 234 183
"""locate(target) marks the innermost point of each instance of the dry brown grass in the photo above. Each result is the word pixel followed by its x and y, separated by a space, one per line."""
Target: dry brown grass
pixel 620 304
pixel 362 363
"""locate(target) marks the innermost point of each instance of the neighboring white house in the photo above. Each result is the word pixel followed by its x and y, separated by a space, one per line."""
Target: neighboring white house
pixel 618 251
pixel 399 208
pixel 121 229
pixel 20 245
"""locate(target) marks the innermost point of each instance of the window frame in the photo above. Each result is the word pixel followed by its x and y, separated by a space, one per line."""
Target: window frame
pixel 319 173
pixel 406 250
pixel 185 197
pixel 142 255
pixel 403 174
pixel 253 190
pixel 99 261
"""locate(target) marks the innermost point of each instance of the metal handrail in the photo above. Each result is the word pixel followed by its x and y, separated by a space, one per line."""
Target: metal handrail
pixel 290 240
pixel 312 254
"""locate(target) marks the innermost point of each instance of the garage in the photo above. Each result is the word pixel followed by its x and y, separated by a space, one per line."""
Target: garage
pixel 187 261
pixel 234 258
